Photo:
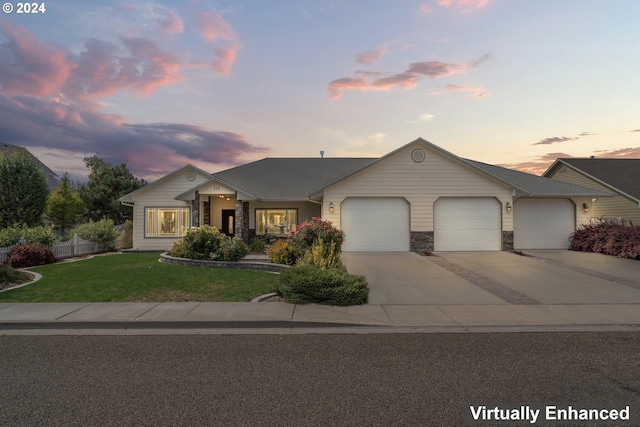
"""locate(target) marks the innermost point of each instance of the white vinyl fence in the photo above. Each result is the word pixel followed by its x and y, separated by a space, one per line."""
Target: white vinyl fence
pixel 73 247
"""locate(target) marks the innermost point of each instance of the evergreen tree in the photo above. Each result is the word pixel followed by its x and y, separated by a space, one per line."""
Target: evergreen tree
pixel 64 206
pixel 23 189
pixel 107 183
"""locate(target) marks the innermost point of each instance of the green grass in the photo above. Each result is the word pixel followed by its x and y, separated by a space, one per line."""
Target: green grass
pixel 140 278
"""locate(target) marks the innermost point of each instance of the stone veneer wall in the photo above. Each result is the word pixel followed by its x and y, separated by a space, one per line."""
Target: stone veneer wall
pixel 421 241
pixel 507 240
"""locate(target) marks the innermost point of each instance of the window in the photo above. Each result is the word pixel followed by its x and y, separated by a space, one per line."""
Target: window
pixel 166 222
pixel 276 221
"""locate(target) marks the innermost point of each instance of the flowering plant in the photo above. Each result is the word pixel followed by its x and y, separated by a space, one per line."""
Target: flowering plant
pixel 312 230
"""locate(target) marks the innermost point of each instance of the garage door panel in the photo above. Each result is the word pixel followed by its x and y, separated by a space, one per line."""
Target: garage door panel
pixel 467 224
pixel 543 223
pixel 375 224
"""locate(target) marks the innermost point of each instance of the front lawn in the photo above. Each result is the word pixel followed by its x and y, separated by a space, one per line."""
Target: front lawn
pixel 140 278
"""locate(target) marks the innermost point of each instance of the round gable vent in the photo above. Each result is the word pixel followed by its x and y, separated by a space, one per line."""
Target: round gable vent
pixel 191 175
pixel 418 155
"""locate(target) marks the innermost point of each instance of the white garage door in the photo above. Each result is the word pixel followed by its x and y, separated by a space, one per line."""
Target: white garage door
pixel 375 224
pixel 467 224
pixel 542 223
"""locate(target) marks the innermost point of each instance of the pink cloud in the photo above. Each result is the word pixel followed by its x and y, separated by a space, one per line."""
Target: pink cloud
pixel 476 92
pixel 630 152
pixel 463 6
pixel 171 23
pixel 538 165
pixel 407 80
pixel 225 58
pixel 425 9
pixel 29 66
pixel 104 69
pixel 212 26
pixel 371 56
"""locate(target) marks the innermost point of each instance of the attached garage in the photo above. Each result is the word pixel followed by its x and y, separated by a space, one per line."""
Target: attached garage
pixel 543 223
pixel 467 224
pixel 375 224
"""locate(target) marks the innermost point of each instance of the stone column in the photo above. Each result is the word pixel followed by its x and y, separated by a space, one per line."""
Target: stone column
pixel 195 211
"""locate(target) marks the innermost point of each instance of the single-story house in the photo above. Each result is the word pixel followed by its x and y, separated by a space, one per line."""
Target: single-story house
pixel 419 197
pixel 618 176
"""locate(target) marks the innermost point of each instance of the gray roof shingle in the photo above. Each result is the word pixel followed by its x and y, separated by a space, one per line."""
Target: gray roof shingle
pixel 289 178
pixel 620 174
pixel 533 185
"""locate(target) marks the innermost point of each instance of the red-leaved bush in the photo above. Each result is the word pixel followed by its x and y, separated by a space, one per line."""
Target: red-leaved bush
pixel 30 255
pixel 608 236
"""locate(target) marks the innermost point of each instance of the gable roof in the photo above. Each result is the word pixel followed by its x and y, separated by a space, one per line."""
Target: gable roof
pixel 130 198
pixel 52 177
pixel 288 178
pixel 538 186
pixel 524 183
pixel 620 175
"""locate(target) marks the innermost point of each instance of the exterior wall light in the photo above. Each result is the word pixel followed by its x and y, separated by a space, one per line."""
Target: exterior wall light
pixel 508 207
pixel 331 207
pixel 585 207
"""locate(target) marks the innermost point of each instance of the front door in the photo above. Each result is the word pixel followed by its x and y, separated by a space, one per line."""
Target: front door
pixel 228 222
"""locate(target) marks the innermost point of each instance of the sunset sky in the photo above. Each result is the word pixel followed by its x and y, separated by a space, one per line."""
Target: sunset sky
pixel 157 85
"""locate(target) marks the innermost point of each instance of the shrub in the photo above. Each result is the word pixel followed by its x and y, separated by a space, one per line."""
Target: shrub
pixel 206 242
pixel 179 249
pixel 322 256
pixel 42 235
pixel 305 234
pixel 9 275
pixel 29 255
pixel 232 249
pixel 202 242
pixel 103 232
pixel 310 284
pixel 608 236
pixel 281 253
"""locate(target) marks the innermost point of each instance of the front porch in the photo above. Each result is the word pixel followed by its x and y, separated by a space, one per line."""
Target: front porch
pixel 249 218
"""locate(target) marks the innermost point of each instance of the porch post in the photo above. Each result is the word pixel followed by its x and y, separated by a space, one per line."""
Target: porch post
pixel 242 220
pixel 195 211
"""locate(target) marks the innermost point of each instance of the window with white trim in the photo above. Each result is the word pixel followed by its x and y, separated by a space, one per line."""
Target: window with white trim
pixel 166 222
pixel 276 221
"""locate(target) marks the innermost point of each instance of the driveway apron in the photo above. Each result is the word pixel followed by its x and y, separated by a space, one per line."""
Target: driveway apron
pixel 552 282
pixel 408 278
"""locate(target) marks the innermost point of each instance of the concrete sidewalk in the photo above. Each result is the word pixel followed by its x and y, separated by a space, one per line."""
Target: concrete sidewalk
pixel 279 317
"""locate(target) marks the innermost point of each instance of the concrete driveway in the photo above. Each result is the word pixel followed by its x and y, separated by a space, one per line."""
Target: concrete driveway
pixel 545 277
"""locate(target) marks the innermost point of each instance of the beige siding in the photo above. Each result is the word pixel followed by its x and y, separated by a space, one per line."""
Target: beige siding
pixel 607 207
pixel 161 195
pixel 421 184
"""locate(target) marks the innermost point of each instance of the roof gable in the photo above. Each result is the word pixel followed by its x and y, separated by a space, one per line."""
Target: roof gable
pixel 620 175
pixel 130 198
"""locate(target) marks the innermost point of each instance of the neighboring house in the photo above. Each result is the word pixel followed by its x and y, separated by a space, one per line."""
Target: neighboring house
pixel 416 198
pixel 52 178
pixel 618 176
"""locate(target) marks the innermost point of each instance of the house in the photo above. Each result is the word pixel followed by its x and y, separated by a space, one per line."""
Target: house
pixel 419 197
pixel 52 178
pixel 618 176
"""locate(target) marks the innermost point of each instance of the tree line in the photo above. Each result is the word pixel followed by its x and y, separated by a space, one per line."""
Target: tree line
pixel 25 198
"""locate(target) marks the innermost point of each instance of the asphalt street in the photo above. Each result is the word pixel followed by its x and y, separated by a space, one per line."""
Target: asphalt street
pixel 305 380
